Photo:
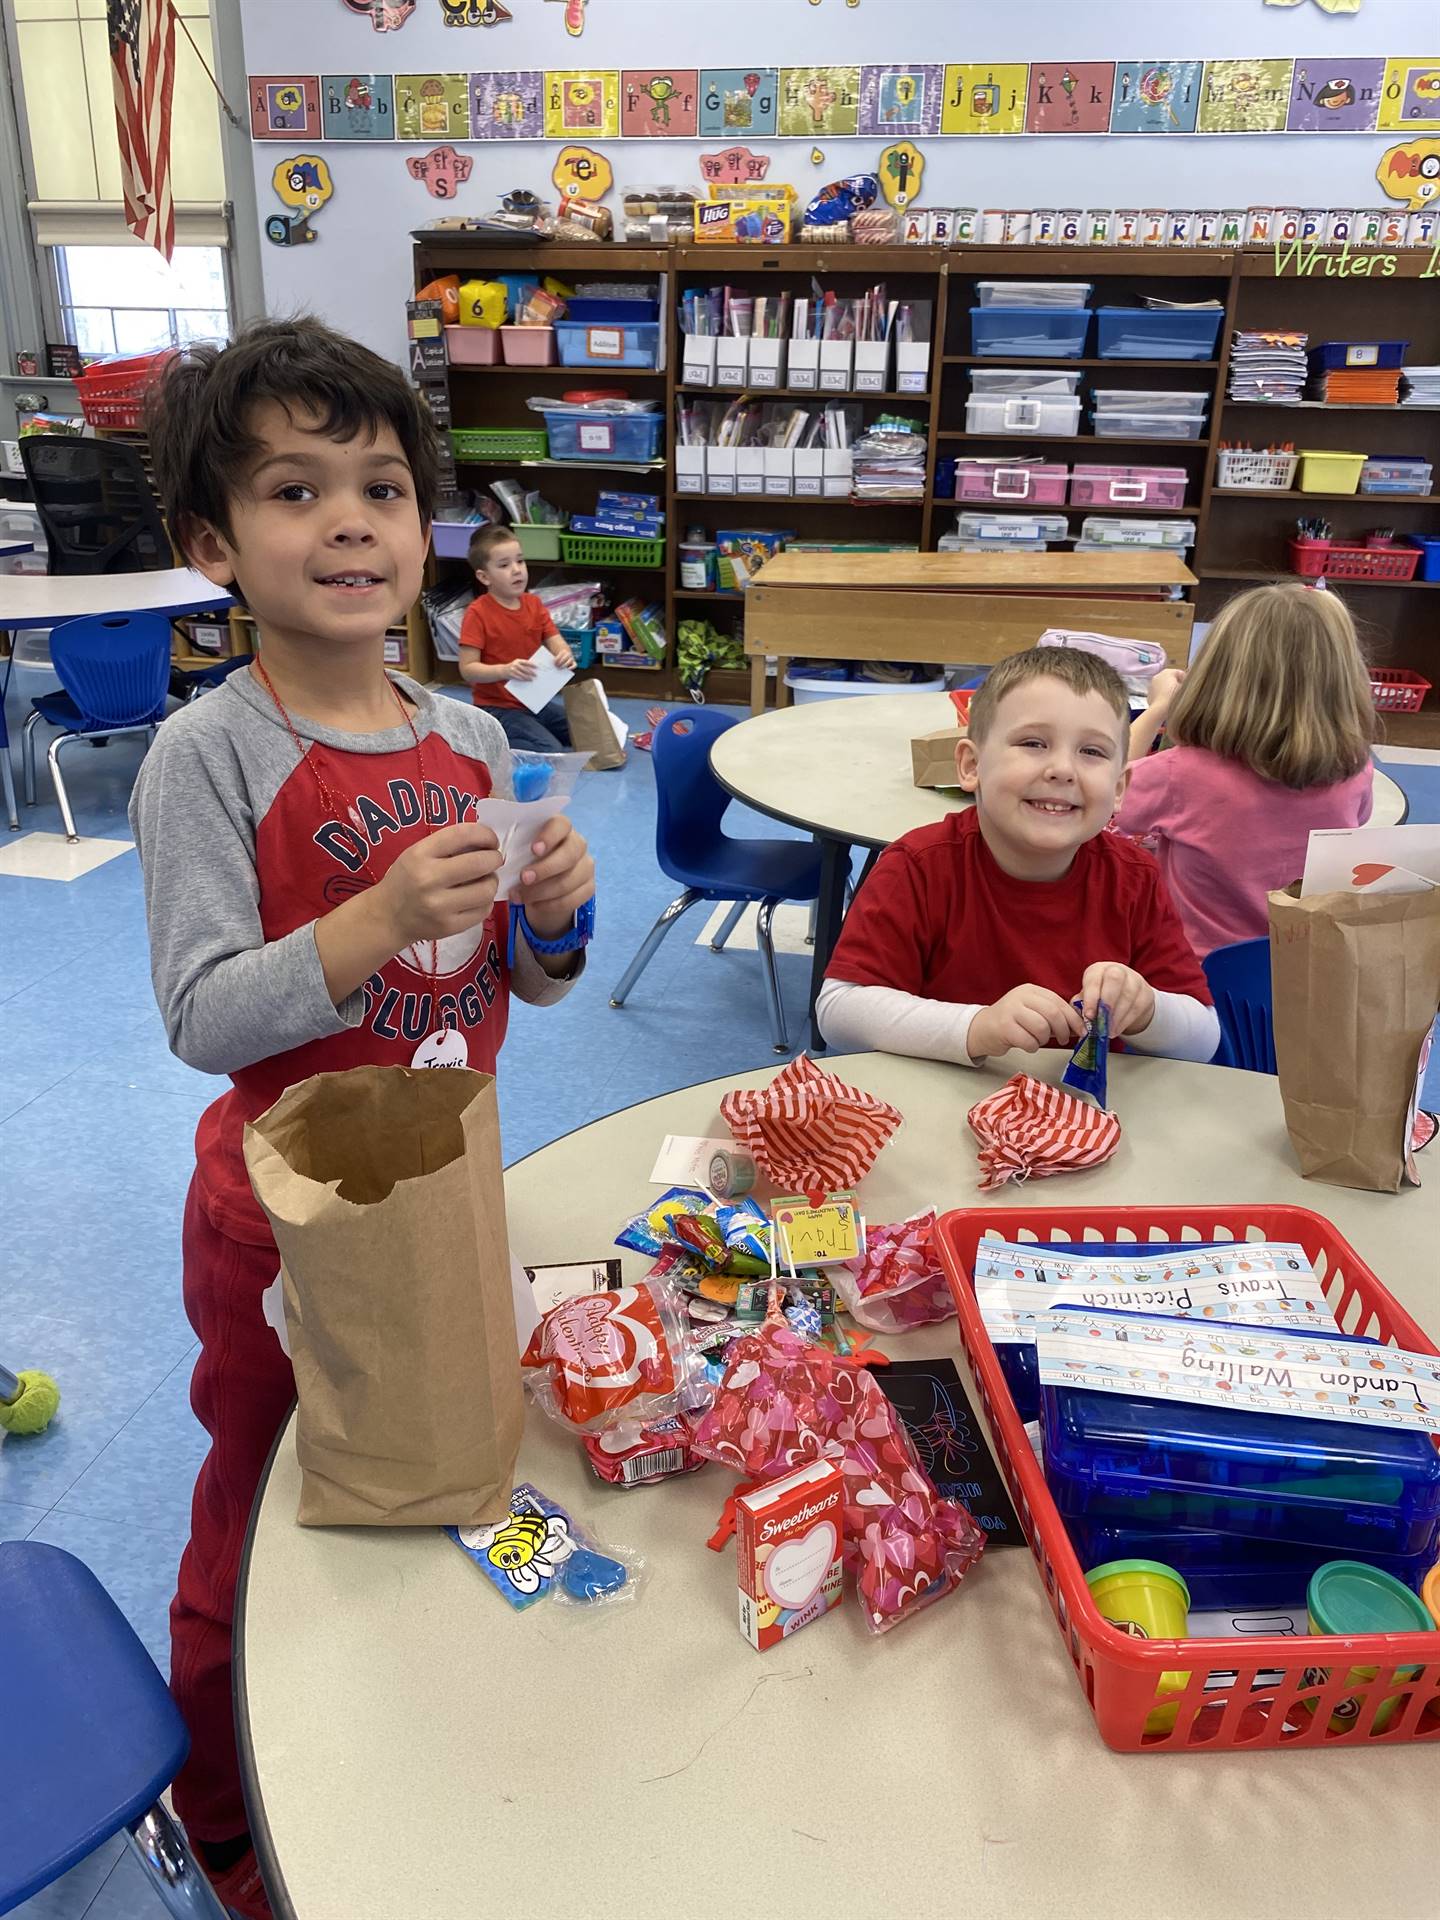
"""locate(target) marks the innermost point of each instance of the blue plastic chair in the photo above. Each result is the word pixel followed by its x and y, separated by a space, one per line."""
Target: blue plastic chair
pixel 7 773
pixel 1239 979
pixel 691 848
pixel 115 671
pixel 93 1735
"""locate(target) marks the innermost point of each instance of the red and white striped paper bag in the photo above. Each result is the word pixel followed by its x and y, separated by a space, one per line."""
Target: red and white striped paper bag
pixel 810 1132
pixel 1028 1129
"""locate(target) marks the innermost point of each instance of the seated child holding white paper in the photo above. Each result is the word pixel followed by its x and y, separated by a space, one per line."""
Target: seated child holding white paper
pixel 503 629
pixel 1272 730
pixel 976 935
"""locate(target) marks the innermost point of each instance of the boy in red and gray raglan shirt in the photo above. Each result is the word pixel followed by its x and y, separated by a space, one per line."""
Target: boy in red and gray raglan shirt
pixel 318 891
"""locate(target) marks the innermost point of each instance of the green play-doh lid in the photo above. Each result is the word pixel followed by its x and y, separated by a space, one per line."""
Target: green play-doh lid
pixel 1113 1567
pixel 1346 1596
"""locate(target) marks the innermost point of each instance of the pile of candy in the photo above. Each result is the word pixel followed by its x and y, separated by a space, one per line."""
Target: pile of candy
pixel 898 1282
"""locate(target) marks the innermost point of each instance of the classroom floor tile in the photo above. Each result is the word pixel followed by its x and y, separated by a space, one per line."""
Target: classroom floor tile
pixel 50 856
pixel 789 930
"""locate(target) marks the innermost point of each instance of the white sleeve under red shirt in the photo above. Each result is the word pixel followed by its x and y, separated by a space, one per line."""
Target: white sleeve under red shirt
pixel 241 859
pixel 942 930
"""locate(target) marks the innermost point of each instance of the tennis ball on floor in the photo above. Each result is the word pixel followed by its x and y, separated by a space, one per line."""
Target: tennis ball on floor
pixel 33 1408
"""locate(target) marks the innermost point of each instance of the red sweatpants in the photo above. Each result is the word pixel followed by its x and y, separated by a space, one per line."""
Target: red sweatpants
pixel 241 1392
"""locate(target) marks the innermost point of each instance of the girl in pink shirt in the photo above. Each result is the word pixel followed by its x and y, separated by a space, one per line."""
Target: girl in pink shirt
pixel 1272 730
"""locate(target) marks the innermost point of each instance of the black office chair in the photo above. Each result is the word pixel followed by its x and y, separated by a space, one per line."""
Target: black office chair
pixel 96 504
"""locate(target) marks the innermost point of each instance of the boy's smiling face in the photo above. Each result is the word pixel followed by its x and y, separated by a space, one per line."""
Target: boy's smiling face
pixel 1047 776
pixel 325 536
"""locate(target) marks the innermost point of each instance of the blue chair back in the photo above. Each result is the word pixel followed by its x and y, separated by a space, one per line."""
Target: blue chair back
pixel 691 802
pixel 115 667
pixel 1239 979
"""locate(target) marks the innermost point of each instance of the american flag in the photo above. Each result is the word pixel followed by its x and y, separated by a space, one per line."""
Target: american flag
pixel 142 55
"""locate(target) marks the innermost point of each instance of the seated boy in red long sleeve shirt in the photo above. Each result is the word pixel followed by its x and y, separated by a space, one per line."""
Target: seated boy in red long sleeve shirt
pixel 976 935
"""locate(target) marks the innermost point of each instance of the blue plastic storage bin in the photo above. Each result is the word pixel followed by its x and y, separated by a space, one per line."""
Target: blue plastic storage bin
pixel 1150 1465
pixel 1225 1570
pixel 626 437
pixel 604 343
pixel 1033 333
pixel 1146 333
pixel 1331 355
pixel 1429 545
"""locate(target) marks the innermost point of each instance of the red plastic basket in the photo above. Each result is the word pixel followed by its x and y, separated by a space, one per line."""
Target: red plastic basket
pixel 1121 1676
pixel 1397 690
pixel 1311 558
pixel 112 393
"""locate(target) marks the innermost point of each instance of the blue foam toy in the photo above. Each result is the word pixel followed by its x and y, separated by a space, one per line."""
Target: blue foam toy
pixel 531 779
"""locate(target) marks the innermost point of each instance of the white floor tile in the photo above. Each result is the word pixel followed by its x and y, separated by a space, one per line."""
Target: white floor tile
pixel 789 929
pixel 50 856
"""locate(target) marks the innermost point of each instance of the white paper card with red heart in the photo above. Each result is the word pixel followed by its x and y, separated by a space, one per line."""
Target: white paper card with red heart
pixel 1372 860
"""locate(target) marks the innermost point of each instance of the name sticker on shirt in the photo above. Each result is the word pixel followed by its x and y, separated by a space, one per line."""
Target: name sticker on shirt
pixel 1257 1372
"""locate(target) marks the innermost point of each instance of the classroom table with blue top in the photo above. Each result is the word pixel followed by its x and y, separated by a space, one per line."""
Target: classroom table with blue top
pixel 415 1747
pixel 841 769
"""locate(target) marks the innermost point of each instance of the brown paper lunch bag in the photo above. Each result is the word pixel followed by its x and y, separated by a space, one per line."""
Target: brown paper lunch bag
pixel 384 1188
pixel 590 728
pixel 1356 984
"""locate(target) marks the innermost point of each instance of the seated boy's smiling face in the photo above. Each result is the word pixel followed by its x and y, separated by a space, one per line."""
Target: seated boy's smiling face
pixel 324 535
pixel 1047 776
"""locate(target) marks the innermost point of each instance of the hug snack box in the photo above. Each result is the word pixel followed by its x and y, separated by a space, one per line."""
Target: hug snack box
pixel 790 1538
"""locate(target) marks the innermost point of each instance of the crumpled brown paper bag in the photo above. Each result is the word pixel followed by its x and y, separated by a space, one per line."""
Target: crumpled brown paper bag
pixel 384 1188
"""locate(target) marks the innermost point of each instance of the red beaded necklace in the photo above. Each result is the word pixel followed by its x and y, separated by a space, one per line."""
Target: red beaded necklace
pixel 340 809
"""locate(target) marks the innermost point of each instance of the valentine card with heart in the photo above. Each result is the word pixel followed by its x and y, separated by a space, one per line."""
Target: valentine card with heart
pixel 1372 860
pixel 790 1538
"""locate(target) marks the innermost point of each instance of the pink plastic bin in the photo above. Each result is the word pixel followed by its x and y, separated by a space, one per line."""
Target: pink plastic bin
pixel 1036 485
pixel 528 346
pixel 472 346
pixel 1128 487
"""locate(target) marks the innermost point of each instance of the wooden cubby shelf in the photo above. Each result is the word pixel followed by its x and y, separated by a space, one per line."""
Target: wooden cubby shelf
pixel 1234 544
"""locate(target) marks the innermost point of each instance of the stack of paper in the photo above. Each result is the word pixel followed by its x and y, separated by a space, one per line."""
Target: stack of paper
pixel 1355 386
pixel 1421 388
pixel 890 462
pixel 1267 365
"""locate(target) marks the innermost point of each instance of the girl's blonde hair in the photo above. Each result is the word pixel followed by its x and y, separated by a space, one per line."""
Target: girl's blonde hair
pixel 1280 685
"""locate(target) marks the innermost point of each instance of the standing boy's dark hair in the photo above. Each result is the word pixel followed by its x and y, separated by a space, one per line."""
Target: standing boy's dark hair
pixel 199 417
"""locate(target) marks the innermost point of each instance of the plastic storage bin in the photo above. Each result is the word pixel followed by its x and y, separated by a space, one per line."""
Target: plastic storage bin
pixel 1034 293
pixel 1429 545
pixel 498 443
pixel 1397 690
pixel 1022 413
pixel 1048 333
pixel 1324 472
pixel 472 346
pixel 1157 1464
pixel 1122 424
pixel 607 550
pixel 581 642
pixel 1400 476
pixel 1104 530
pixel 1227 1570
pixel 632 343
pixel 538 542
pixel 451 538
pixel 1145 333
pixel 629 438
pixel 528 346
pixel 1128 486
pixel 1333 354
pixel 1035 482
pixel 113 393
pixel 1176 400
pixel 997 529
pixel 1313 558
pixel 1249 472
pixel 1120 1677
pixel 993 380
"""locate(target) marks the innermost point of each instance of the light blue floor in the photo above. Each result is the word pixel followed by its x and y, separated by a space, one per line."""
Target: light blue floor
pixel 96 1121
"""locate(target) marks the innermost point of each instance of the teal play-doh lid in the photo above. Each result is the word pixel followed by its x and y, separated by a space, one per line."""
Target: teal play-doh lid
pixel 1346 1596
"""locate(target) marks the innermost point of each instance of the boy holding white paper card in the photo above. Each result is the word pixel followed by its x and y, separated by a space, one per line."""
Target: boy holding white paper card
pixel 503 632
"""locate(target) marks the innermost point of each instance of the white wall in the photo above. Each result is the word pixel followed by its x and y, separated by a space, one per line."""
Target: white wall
pixel 357 274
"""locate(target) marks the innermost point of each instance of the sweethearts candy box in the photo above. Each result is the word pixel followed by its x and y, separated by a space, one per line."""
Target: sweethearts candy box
pixel 791 1537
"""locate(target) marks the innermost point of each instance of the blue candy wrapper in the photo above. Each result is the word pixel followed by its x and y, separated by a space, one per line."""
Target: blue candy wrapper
pixel 1089 1064
pixel 535 1547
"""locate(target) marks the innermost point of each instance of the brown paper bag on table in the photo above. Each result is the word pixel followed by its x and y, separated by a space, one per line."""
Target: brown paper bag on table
pixel 1356 983
pixel 591 728
pixel 384 1188
pixel 932 758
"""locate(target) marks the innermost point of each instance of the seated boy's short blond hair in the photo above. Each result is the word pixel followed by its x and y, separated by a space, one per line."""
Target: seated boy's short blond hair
pixel 1080 671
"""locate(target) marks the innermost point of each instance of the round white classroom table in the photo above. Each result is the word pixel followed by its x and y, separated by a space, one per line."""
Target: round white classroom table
pixel 44 600
pixel 841 769
pixel 414 1748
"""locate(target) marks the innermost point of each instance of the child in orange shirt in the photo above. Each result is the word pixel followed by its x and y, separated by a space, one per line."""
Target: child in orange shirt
pixel 500 634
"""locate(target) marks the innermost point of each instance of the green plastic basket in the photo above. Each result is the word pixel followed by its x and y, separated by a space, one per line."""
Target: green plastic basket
pixel 601 550
pixel 498 443
pixel 537 543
